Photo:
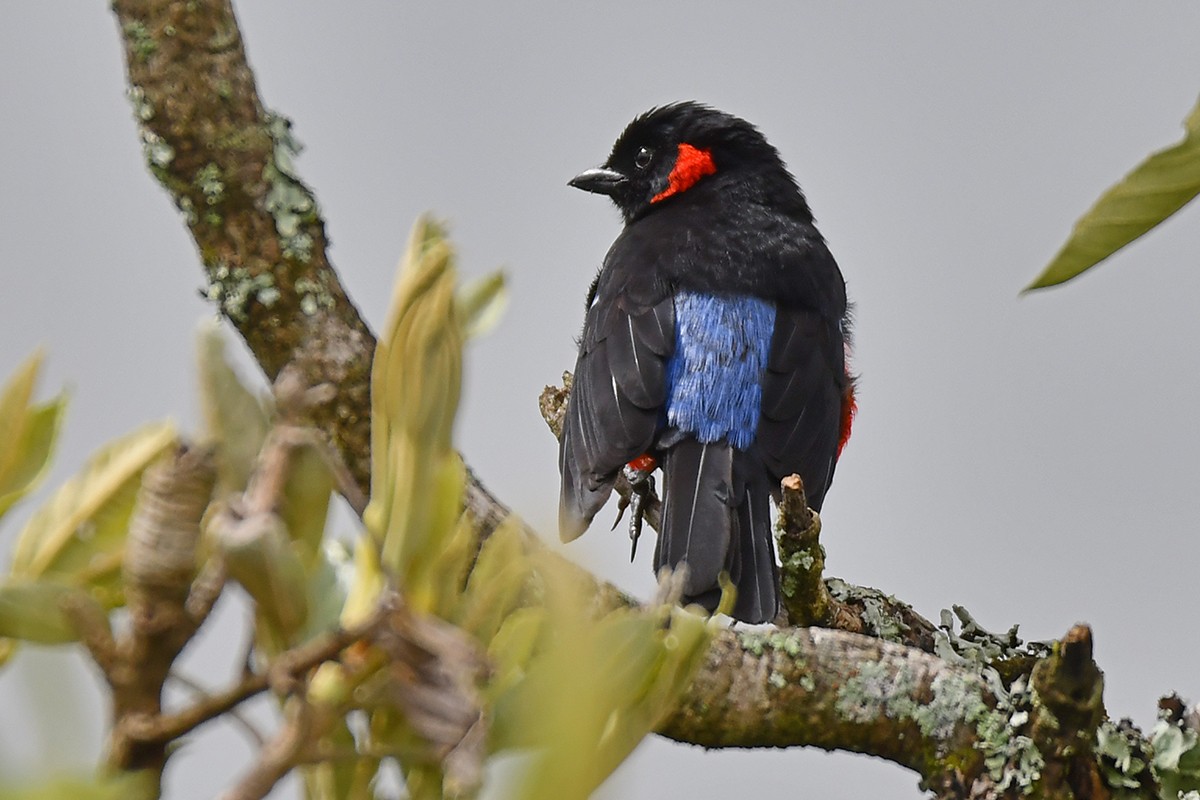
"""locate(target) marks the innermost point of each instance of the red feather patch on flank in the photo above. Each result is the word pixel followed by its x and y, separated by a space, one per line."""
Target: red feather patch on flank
pixel 849 409
pixel 643 463
pixel 691 165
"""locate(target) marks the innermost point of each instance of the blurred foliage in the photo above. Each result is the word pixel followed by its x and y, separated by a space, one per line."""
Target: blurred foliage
pixel 575 685
pixel 27 434
pixel 480 647
pixel 235 419
pixel 72 547
pixel 416 476
pixel 128 786
pixel 1156 188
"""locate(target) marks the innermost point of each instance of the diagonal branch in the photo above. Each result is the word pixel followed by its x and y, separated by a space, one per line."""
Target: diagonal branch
pixel 227 164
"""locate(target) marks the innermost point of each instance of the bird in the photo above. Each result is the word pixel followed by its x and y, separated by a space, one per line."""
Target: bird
pixel 715 348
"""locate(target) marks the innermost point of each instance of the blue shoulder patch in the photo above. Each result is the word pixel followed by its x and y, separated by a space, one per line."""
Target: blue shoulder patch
pixel 714 377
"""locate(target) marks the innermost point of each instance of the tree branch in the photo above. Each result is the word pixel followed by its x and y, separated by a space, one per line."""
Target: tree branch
pixel 286 669
pixel 226 163
pixel 834 690
pixel 159 568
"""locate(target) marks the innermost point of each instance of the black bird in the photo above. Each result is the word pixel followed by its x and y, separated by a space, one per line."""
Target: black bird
pixel 714 346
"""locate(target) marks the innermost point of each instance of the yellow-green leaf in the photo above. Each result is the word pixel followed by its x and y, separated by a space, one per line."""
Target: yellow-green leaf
pixel 234 416
pixel 27 434
pixel 32 452
pixel 1152 192
pixel 32 611
pixel 306 497
pixel 416 478
pixel 511 649
pixel 339 778
pixel 593 687
pixel 496 583
pixel 78 537
pixel 366 585
pixel 481 303
pixel 118 786
pixel 261 556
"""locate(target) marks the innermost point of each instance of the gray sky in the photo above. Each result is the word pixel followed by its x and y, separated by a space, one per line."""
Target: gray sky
pixel 1033 459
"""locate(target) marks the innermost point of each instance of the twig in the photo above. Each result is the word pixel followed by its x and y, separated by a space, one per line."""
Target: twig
pixel 92 625
pixel 287 667
pixel 279 755
pixel 203 693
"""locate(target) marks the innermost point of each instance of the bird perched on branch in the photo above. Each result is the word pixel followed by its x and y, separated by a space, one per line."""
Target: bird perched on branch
pixel 714 347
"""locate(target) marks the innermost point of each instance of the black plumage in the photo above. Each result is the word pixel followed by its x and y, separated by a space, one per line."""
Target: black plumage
pixel 715 226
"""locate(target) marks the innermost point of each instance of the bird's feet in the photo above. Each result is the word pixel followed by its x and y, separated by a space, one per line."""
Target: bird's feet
pixel 641 485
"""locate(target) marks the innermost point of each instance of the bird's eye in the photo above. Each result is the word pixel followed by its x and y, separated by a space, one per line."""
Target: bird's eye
pixel 642 159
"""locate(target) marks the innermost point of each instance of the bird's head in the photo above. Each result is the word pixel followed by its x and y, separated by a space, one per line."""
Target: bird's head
pixel 671 149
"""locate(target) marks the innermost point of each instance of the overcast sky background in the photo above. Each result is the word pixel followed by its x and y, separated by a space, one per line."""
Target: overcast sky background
pixel 1031 458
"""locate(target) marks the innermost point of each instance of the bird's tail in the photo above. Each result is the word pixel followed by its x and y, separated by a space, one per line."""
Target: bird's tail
pixel 716 517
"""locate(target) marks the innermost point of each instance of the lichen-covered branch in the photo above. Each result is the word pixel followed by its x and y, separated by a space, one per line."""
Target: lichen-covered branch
pixel 835 690
pixel 960 709
pixel 226 162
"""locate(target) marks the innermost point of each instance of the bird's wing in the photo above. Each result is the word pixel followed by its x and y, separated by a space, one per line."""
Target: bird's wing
pixel 616 400
pixel 803 388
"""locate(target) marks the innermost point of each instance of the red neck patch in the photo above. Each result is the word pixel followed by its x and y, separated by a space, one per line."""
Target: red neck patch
pixel 691 165
pixel 849 409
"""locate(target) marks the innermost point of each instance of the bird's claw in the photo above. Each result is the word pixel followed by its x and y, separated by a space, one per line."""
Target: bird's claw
pixel 641 489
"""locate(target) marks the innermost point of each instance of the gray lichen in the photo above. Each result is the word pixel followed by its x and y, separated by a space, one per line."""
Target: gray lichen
pixel 185 205
pixel 758 642
pixel 888 687
pixel 1010 755
pixel 1168 757
pixel 208 181
pixel 159 154
pixel 880 688
pixel 1124 761
pixel 143 109
pixel 233 289
pixel 974 645
pixel 140 40
pixel 956 699
pixel 1176 761
pixel 877 617
pixel 288 200
pixel 314 295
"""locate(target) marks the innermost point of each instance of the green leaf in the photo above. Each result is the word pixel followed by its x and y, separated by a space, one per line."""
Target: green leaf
pixel 1152 192
pixel 339 778
pixel 119 786
pixel 593 688
pixel 326 597
pixel 32 611
pixel 261 556
pixel 78 537
pixel 234 416
pixel 481 303
pixel 496 583
pixel 306 497
pixel 416 477
pixel 27 434
pixel 512 648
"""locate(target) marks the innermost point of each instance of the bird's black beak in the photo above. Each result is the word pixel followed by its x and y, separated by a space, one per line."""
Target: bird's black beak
pixel 600 180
